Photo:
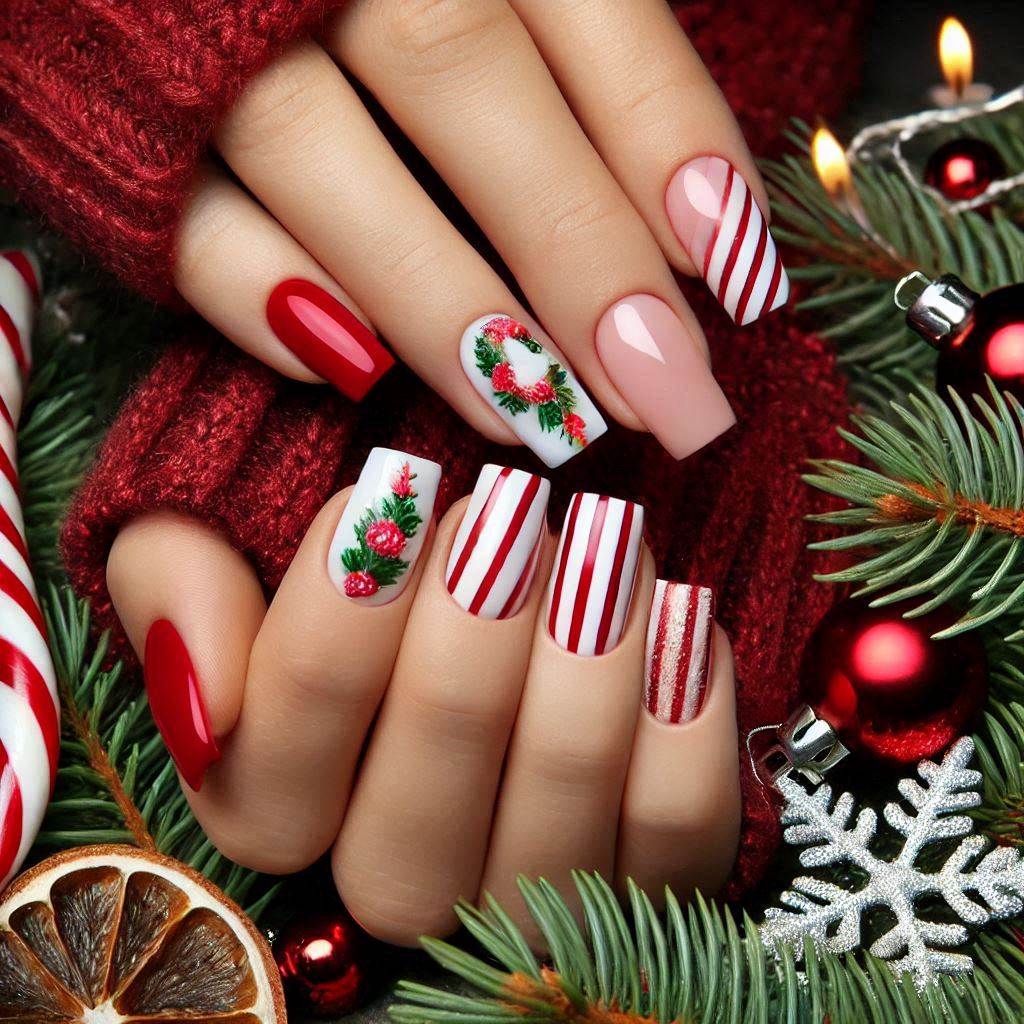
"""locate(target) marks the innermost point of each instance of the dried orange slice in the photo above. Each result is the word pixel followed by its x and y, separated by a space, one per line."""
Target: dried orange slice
pixel 110 934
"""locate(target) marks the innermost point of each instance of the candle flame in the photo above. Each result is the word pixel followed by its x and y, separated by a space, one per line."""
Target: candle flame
pixel 830 162
pixel 956 55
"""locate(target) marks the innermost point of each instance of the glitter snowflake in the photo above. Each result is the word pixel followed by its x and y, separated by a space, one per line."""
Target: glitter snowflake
pixel 833 916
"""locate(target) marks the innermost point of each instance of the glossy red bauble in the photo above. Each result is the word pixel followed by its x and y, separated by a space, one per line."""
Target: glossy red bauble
pixel 323 962
pixel 992 344
pixel 964 168
pixel 887 688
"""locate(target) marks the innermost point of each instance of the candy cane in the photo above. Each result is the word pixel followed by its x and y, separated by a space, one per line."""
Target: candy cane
pixel 29 707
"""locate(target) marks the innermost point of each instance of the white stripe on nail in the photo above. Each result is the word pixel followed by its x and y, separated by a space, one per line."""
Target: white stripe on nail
pixel 594 572
pixel 495 551
pixel 678 651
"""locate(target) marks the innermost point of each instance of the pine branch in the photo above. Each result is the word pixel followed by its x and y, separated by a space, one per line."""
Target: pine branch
pixel 850 271
pixel 939 516
pixel 694 964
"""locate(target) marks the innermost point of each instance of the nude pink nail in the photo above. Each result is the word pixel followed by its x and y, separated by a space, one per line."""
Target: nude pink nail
pixel 660 370
pixel 719 223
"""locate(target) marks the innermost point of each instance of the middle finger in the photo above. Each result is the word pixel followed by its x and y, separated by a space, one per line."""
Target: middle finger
pixel 467 84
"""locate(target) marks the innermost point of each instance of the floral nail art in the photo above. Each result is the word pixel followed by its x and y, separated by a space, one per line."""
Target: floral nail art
pixel 534 393
pixel 381 531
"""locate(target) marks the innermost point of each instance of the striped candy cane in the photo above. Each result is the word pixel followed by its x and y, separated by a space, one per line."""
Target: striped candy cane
pixel 29 708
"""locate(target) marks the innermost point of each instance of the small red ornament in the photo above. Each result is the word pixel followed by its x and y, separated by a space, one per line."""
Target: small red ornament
pixel 401 486
pixel 323 963
pixel 385 537
pixel 886 687
pixel 963 168
pixel 976 335
pixel 361 584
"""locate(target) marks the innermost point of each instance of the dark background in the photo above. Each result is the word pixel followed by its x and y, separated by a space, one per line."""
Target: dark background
pixel 901 47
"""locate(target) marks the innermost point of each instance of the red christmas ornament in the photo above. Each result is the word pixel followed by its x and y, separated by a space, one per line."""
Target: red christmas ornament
pixel 886 687
pixel 385 537
pixel 574 426
pixel 963 168
pixel 322 960
pixel 976 335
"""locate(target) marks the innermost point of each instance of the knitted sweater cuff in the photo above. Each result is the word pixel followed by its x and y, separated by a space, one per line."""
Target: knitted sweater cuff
pixel 106 107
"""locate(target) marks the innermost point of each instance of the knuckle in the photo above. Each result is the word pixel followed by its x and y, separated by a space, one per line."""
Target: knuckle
pixel 459 717
pixel 441 35
pixel 579 763
pixel 281 107
pixel 577 218
pixel 205 225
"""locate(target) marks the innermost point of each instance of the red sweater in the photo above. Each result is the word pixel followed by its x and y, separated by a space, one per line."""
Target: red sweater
pixel 105 108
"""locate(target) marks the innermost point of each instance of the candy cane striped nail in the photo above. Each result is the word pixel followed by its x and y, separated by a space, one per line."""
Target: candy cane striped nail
pixel 719 223
pixel 29 709
pixel 494 556
pixel 595 569
pixel 678 651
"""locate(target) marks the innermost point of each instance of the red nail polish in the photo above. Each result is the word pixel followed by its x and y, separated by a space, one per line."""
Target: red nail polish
pixel 327 337
pixel 176 703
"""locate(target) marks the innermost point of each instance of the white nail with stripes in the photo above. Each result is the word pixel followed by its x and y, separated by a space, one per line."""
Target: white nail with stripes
pixel 494 555
pixel 678 651
pixel 717 219
pixel 594 573
pixel 29 706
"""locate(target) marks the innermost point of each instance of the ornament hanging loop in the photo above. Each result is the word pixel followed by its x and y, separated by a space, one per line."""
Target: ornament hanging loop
pixel 904 282
pixel 804 744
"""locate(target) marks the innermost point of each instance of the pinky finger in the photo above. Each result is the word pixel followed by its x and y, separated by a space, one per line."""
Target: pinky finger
pixel 248 277
pixel 681 806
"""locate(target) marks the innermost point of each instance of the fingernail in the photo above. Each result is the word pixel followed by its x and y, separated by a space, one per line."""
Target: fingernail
pixel 327 337
pixel 494 555
pixel 678 651
pixel 176 702
pixel 719 223
pixel 538 397
pixel 661 372
pixel 383 528
pixel 595 569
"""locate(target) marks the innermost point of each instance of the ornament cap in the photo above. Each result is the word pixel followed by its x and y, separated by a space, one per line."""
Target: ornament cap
pixel 941 310
pixel 804 743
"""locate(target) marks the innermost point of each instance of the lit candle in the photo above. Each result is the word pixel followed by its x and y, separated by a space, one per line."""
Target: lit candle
pixel 956 57
pixel 833 169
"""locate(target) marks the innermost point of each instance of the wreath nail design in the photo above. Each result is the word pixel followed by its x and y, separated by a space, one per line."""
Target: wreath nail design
pixel 552 397
pixel 382 533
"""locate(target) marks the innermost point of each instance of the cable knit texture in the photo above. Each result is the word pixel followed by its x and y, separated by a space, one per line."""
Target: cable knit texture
pixel 106 107
pixel 110 103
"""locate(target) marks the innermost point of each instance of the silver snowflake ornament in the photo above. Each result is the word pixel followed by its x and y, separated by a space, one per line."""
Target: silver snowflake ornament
pixel 977 886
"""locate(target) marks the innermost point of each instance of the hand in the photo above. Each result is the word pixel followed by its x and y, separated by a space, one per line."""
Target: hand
pixel 447 707
pixel 587 141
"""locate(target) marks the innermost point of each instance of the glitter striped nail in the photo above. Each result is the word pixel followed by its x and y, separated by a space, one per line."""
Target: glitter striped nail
pixel 678 651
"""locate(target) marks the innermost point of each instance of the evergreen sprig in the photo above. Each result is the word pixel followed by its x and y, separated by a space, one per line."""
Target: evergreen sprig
pixel 938 515
pixel 850 271
pixel 698 963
